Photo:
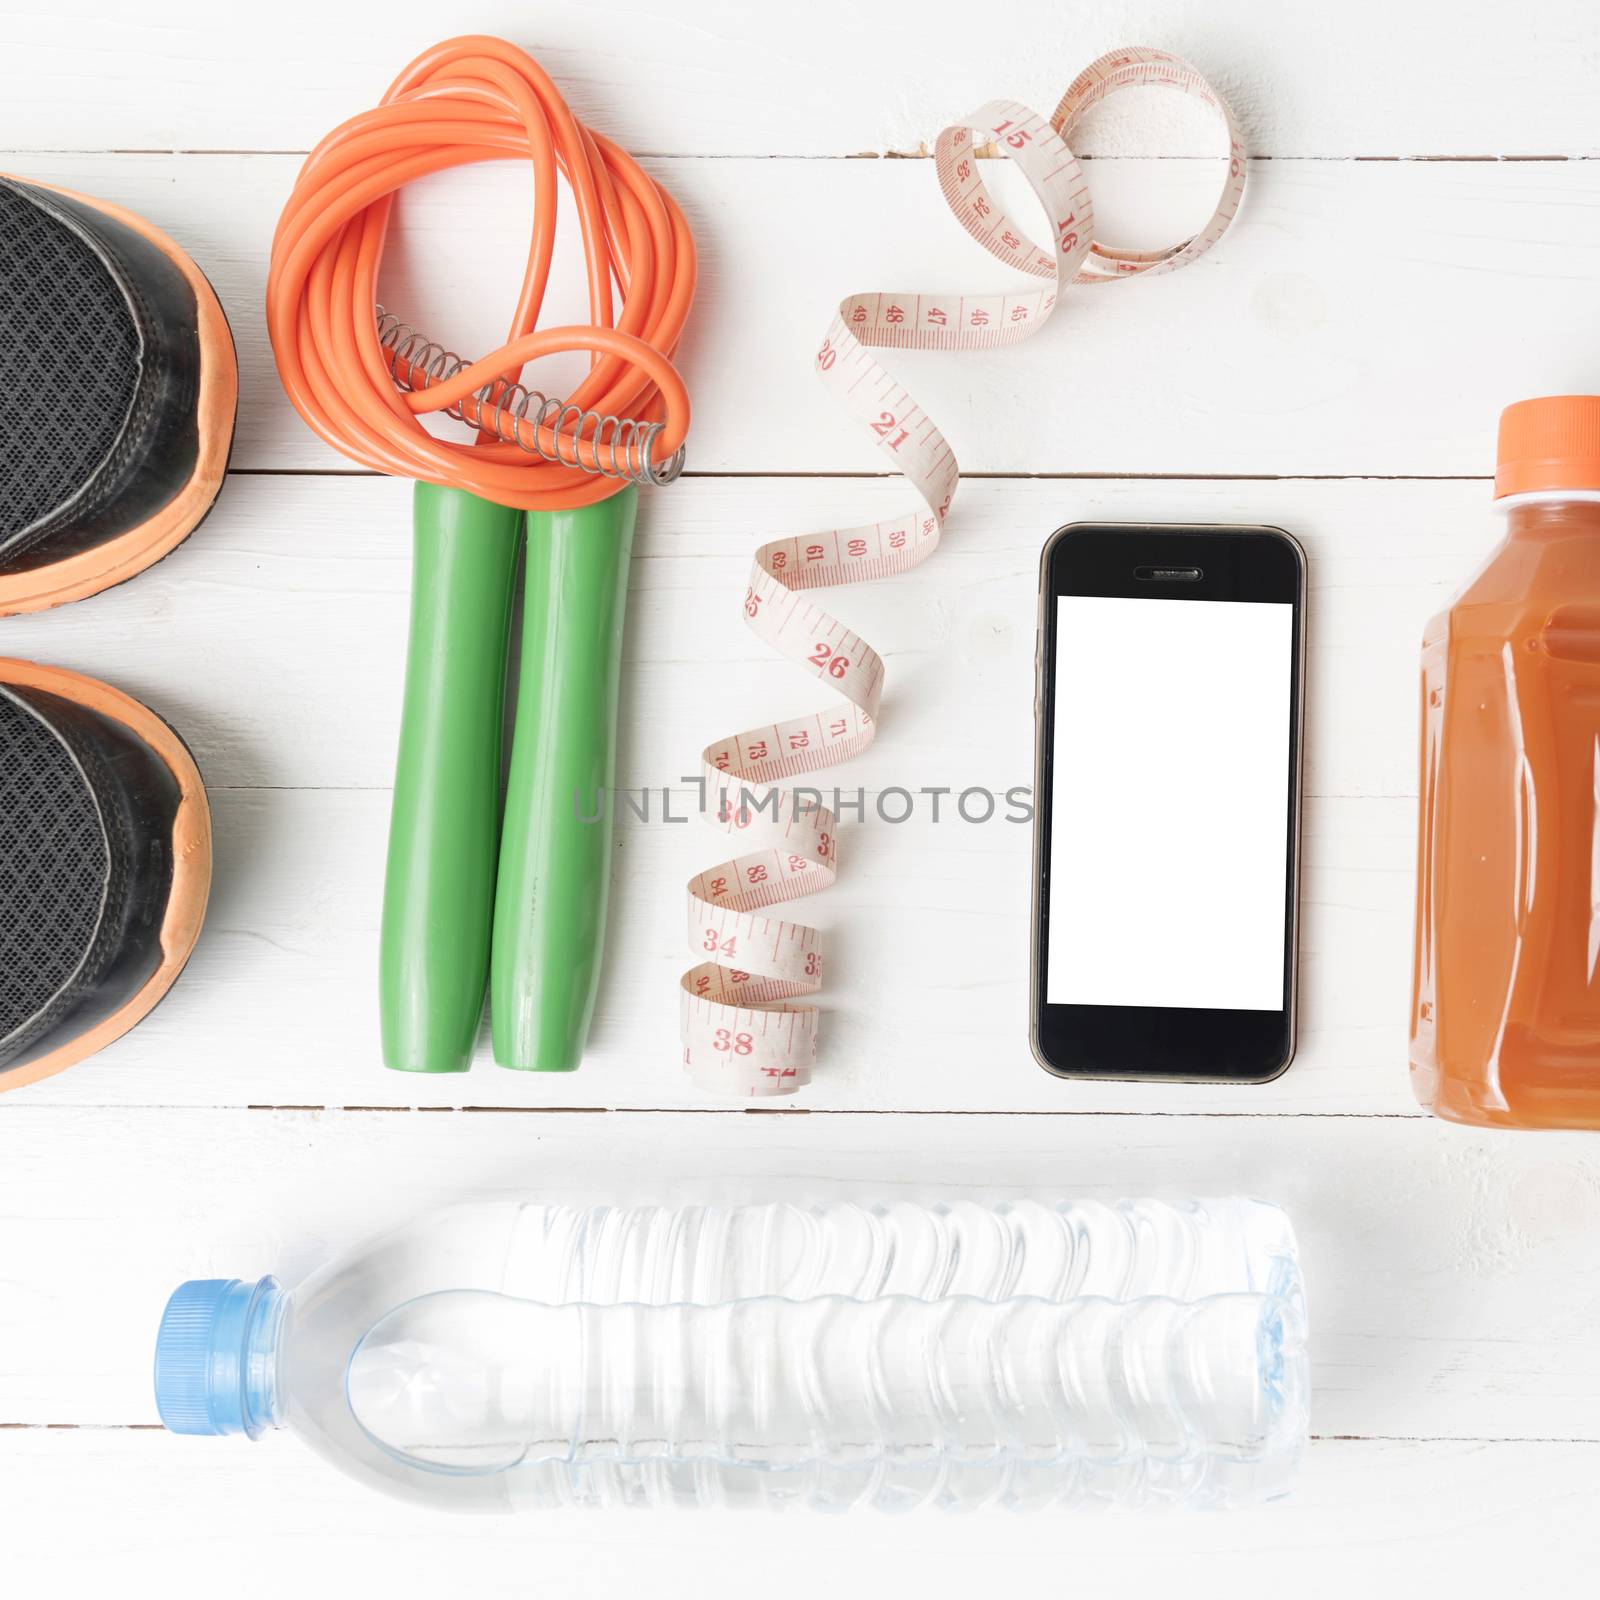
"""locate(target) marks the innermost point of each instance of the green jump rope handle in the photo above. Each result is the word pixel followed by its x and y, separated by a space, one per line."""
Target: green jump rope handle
pixel 555 846
pixel 444 828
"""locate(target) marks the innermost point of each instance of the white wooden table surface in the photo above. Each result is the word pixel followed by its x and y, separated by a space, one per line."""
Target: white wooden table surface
pixel 1419 246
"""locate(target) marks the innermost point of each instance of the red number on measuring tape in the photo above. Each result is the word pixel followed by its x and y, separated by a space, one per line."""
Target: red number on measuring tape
pixel 886 421
pixel 824 660
pixel 741 1044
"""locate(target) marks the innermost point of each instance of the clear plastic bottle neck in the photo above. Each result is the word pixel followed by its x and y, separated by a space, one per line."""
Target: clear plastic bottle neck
pixel 1550 513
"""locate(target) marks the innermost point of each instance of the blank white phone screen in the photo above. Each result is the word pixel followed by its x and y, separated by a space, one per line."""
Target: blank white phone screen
pixel 1169 803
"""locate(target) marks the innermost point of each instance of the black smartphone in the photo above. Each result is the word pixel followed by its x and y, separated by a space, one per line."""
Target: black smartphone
pixel 1167 816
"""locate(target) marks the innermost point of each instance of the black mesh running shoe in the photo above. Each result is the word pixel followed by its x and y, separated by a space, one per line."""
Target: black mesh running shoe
pixel 105 864
pixel 118 388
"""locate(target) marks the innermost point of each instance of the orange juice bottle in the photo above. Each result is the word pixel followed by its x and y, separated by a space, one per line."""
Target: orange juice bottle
pixel 1505 1015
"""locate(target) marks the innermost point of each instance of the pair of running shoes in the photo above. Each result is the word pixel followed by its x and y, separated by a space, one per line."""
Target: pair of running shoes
pixel 118 392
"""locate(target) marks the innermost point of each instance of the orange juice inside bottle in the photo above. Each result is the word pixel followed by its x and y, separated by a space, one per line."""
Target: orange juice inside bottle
pixel 1505 1015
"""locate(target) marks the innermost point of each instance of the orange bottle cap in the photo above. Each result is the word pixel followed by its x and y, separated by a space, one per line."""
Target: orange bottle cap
pixel 1550 443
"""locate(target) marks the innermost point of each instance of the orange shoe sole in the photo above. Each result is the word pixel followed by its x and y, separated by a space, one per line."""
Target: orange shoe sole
pixel 76 577
pixel 191 858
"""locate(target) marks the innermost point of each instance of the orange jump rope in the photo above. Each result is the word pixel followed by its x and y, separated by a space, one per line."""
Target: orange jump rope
pixel 562 470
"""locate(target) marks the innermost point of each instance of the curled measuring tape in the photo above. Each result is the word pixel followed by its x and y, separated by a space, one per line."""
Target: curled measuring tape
pixel 742 1031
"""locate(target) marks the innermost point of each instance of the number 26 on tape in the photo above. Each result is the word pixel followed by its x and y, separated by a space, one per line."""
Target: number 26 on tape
pixel 824 660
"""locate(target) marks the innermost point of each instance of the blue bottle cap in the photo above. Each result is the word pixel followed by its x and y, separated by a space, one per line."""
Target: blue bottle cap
pixel 216 1357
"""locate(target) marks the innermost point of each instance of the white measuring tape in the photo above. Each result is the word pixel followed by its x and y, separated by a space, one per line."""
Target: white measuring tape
pixel 742 1032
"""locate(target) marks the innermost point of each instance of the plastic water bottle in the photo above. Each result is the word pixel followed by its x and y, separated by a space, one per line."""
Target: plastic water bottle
pixel 517 1355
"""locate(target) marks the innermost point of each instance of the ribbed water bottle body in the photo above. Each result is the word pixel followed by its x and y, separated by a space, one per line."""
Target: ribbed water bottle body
pixel 1027 1355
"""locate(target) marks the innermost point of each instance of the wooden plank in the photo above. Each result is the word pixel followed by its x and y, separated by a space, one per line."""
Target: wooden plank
pixel 274 640
pixel 1382 1517
pixel 926 1009
pixel 1451 1275
pixel 730 78
pixel 1307 342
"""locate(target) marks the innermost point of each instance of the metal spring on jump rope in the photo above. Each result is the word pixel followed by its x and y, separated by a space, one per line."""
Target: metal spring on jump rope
pixel 621 447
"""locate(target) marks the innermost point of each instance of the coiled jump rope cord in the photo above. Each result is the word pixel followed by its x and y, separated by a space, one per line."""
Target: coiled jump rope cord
pixel 364 381
pixel 466 100
pixel 741 1029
